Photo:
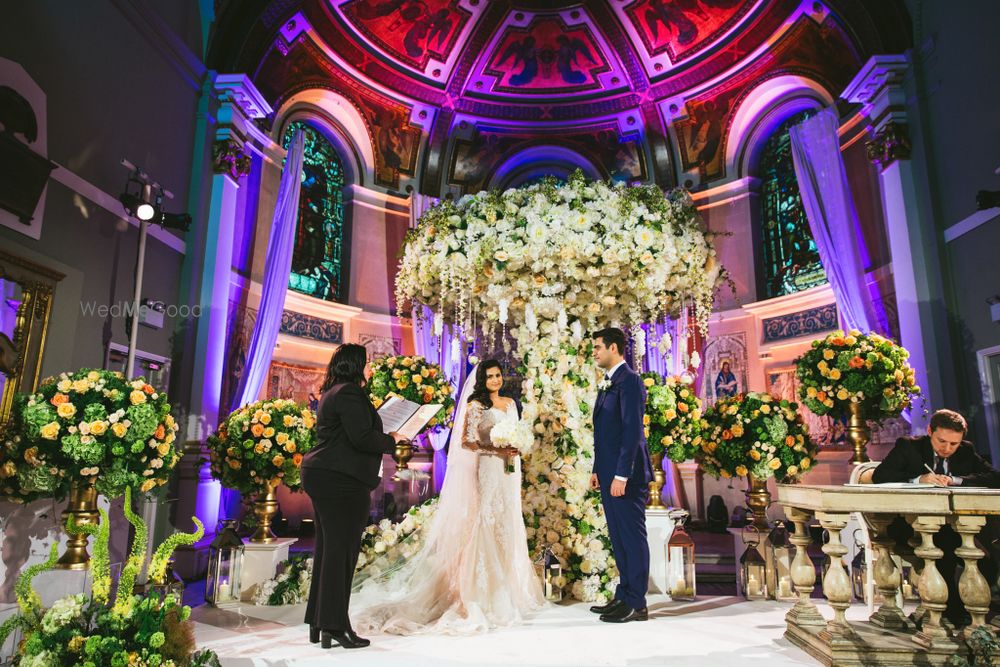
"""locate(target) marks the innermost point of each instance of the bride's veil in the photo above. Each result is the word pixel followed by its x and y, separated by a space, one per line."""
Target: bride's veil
pixel 450 525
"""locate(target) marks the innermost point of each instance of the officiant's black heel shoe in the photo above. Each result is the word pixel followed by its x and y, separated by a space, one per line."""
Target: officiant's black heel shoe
pixel 313 634
pixel 606 608
pixel 345 639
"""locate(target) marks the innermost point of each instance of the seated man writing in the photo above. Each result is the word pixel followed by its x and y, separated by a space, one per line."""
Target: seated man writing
pixel 944 458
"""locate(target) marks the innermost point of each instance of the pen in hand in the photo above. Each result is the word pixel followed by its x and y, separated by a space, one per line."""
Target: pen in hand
pixel 931 471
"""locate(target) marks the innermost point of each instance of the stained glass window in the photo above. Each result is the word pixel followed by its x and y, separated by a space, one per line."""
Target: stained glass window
pixel 317 259
pixel 791 260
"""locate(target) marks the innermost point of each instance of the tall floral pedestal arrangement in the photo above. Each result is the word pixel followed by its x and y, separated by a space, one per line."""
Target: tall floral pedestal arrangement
pixel 82 434
pixel 756 436
pixel 858 377
pixel 544 265
pixel 674 425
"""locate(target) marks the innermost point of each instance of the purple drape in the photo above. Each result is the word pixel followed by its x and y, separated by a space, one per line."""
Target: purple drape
pixel 438 350
pixel 833 220
pixel 278 267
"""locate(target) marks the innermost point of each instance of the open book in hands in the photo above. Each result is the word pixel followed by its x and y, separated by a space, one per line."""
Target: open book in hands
pixel 406 417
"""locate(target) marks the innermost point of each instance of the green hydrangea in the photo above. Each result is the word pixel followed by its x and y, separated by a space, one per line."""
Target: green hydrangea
pixel 90 452
pixel 34 480
pixel 156 640
pixel 95 412
pixel 144 420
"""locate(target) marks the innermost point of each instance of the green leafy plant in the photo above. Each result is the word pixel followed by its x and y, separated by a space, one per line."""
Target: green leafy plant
pixel 674 420
pixel 90 630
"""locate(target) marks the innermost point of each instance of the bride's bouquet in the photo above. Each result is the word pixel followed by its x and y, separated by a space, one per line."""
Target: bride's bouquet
pixel 514 433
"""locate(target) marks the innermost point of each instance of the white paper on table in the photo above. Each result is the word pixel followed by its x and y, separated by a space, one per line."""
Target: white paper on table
pixel 897 485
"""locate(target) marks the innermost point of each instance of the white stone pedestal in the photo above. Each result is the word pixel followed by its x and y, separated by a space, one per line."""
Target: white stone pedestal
pixel 260 562
pixel 659 528
pixel 692 492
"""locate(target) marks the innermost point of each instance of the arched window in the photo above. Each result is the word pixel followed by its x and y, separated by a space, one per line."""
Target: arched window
pixel 319 235
pixel 791 260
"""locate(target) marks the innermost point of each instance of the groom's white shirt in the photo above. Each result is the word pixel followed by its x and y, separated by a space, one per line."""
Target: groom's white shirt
pixel 610 374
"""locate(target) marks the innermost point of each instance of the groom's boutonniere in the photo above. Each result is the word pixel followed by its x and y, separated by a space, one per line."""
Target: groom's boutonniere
pixel 604 385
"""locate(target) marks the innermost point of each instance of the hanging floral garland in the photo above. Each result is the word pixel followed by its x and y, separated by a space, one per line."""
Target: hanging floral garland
pixel 545 264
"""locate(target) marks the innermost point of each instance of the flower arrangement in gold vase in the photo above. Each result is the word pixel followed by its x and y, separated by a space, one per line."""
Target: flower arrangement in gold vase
pixel 757 436
pixel 674 426
pixel 859 377
pixel 416 380
pixel 259 447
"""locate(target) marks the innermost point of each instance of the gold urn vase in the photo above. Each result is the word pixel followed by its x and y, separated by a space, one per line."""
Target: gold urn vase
pixel 659 480
pixel 83 508
pixel 758 498
pixel 265 507
pixel 403 454
pixel 858 432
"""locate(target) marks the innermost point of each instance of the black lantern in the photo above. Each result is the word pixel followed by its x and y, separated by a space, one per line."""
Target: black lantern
pixel 680 560
pixel 779 565
pixel 225 565
pixel 753 570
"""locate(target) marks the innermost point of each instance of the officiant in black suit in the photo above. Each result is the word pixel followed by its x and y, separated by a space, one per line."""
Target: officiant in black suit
pixel 954 462
pixel 339 475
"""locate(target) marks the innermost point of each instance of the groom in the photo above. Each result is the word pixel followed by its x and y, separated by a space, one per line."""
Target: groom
pixel 622 472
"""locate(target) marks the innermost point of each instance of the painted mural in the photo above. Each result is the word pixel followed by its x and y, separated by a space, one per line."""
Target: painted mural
pixel 547 57
pixel 681 28
pixel 474 160
pixel 702 135
pixel 395 141
pixel 414 31
pixel 724 366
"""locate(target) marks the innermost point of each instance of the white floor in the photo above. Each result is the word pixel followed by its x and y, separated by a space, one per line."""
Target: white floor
pixel 708 632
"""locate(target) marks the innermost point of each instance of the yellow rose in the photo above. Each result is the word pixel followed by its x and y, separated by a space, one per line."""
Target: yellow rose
pixel 828 355
pixel 377 402
pixel 666 440
pixel 696 414
pixel 755 455
pixel 290 448
pixel 725 473
pixel 823 366
pixel 50 431
pixel 401 383
pixel 737 430
pixel 811 392
pixel 670 414
pixel 792 470
pixel 234 464
pixel 118 429
pixel 269 432
pixel 66 410
pixel 766 409
pixel 162 449
pixel 98 427
pixel 805 463
pixel 774 464
pixel 288 420
pixel 137 396
pixel 64 386
pixel 8 469
pixel 407 362
pixel 834 373
pixel 741 471
pixel 278 460
pixel 93 376
pixel 281 438
pixel 649 382
pixel 645 420
pixel 842 394
pixel 147 485
pixel 417 379
pixel 265 418
pixel 80 386
pixel 307 419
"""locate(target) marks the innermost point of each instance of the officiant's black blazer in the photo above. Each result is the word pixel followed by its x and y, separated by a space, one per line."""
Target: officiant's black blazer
pixel 908 456
pixel 349 437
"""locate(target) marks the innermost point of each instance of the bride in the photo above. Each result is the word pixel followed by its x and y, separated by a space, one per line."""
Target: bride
pixel 472 573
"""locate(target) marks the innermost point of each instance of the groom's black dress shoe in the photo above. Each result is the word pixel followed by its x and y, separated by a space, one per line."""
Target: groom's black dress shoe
pixel 626 614
pixel 607 608
pixel 346 639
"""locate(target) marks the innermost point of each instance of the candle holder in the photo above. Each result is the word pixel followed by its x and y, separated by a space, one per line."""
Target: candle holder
pixel 753 569
pixel 779 570
pixel 552 579
pixel 681 579
pixel 225 565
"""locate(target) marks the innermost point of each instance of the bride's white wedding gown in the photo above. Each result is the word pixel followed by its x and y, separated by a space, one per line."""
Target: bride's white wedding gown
pixel 473 572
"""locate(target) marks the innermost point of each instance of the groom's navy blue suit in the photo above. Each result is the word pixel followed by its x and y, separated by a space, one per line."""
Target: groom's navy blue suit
pixel 620 450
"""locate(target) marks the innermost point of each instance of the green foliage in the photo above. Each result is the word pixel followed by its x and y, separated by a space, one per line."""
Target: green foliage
pixel 27 600
pixel 673 417
pixel 100 563
pixel 158 565
pixel 983 646
pixel 415 379
pixel 136 559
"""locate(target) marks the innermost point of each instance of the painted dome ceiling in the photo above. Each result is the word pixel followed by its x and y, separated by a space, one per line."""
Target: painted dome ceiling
pixel 452 90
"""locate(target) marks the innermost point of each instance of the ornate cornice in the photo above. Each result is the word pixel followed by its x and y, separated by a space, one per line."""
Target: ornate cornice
pixel 891 143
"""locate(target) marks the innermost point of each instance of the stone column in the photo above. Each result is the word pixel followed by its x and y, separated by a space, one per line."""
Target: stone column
pixel 933 588
pixel 916 265
pixel 804 613
pixel 972 585
pixel 887 576
pixel 836 584
pixel 209 266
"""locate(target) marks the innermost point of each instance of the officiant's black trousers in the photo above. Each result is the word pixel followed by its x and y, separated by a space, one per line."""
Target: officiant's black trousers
pixel 341 504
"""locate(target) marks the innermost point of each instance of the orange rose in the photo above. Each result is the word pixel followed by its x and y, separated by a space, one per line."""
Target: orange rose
pixel 297 459
pixel 161 432
pixel 821 396
pixel 856 362
pixel 257 430
pixel 790 440
pixel 148 388
pixel 59 399
pixel 727 435
pixel 682 407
